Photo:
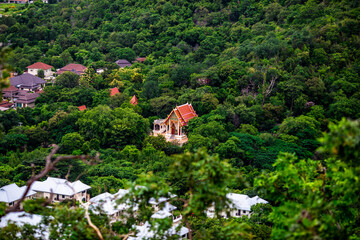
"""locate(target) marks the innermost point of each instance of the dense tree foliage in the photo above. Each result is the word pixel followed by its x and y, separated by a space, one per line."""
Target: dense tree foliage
pixel 265 77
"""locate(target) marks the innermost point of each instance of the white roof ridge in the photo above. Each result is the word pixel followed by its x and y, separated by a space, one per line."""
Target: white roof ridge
pixel 12 192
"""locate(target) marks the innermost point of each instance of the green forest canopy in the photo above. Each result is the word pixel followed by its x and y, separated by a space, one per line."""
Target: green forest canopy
pixel 265 77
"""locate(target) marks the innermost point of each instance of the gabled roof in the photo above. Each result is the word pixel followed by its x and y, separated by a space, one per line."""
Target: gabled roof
pixel 10 89
pixel 243 202
pixel 141 59
pixel 123 63
pixel 40 65
pixel 59 186
pixel 184 113
pixel 114 91
pixel 72 67
pixel 161 214
pixel 10 92
pixel 153 201
pixel 25 97
pixel 26 80
pixel 82 108
pixel 6 104
pixel 146 231
pixel 164 212
pixel 107 202
pixel 134 100
pixel 20 218
pixel 12 192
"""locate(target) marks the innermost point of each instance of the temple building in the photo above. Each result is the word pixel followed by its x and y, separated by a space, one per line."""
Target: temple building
pixel 172 126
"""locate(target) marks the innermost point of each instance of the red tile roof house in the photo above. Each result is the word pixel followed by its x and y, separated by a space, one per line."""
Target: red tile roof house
pixel 10 93
pixel 134 100
pixel 34 69
pixel 82 108
pixel 114 91
pixel 5 105
pixel 140 59
pixel 123 63
pixel 173 125
pixel 72 67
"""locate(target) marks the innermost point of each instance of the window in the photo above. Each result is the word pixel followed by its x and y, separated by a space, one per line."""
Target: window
pixel 244 211
pixel 63 196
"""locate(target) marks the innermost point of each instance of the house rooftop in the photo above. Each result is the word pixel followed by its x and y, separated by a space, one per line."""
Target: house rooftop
pixel 184 113
pixel 123 63
pixel 72 67
pixel 12 192
pixel 114 91
pixel 22 218
pixel 26 80
pixel 161 214
pixel 243 202
pixel 39 65
pixel 159 121
pixel 153 201
pixel 107 202
pixel 134 100
pixel 82 108
pixel 6 104
pixel 59 186
pixel 141 59
pixel 145 232
pixel 10 89
pixel 25 97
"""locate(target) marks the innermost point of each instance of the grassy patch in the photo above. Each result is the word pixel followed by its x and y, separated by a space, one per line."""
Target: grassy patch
pixel 11 8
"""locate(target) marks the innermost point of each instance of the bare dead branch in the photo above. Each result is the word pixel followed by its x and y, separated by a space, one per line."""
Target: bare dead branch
pixel 32 170
pixel 80 175
pixel 68 173
pixel 49 166
pixel 88 218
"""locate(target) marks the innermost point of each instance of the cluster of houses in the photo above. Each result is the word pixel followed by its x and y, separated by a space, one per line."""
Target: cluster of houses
pixel 58 190
pixel 53 189
pixel 23 1
pixel 25 88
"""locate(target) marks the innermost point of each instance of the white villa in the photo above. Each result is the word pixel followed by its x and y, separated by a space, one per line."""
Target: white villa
pixel 107 203
pixel 173 125
pixel 61 189
pixel 163 209
pixel 11 193
pixel 145 232
pixel 240 205
pixel 22 218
